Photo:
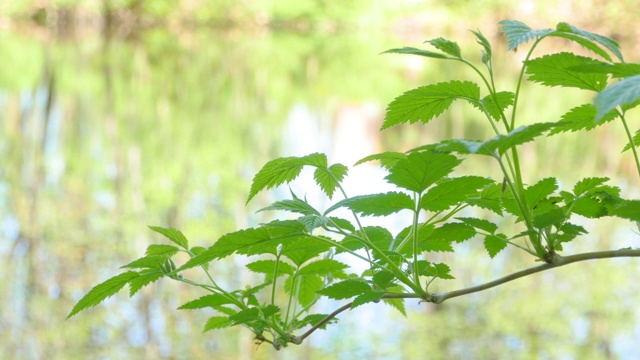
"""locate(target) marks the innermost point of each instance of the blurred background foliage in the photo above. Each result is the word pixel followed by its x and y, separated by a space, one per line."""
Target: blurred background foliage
pixel 115 115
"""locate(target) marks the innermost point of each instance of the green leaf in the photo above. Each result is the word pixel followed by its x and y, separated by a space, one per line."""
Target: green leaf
pixel 340 224
pixel 414 51
pixel 588 184
pixel 397 304
pixel 439 270
pixel 496 105
pixel 103 291
pixel 543 188
pixel 555 216
pixel 421 169
pixel 270 310
pixel 627 209
pixel 172 234
pixel 300 250
pixel 624 92
pixel 161 250
pixel 251 241
pixel 145 263
pixel 387 159
pixel 450 232
pixel 376 204
pixel 345 289
pixel 553 70
pixel 481 224
pixel 495 243
pixel 212 300
pixel 427 102
pixel 586 43
pixel 486 45
pixel 146 277
pixel 329 178
pixel 589 207
pixel 314 319
pixel 245 316
pixel 446 46
pixel 580 118
pixel 294 205
pixel 452 192
pixel 268 267
pixel 306 288
pixel 217 322
pixel 367 297
pixel 283 170
pixel 618 70
pixel 501 143
pixel 517 32
pixel 323 267
pixel 312 222
pixel 378 235
pixel 490 199
pixel 608 43
pixel 383 278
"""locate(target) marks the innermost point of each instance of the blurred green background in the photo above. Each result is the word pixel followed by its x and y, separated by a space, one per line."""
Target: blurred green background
pixel 118 114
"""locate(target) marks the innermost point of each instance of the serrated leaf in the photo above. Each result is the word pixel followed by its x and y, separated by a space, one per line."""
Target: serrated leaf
pixel 302 249
pixel 161 250
pixel 367 297
pixel 452 192
pixel 587 44
pixel 608 43
pixel 383 278
pixel 439 270
pixel 627 209
pixel 624 92
pixel 376 204
pixel 517 32
pixel 426 102
pixel 540 190
pixel 103 291
pixel 172 234
pixel 446 46
pixel 415 51
pixel 217 322
pixel 490 199
pixel 450 232
pixel 397 304
pixel 636 141
pixel 292 205
pixel 340 224
pixel 268 267
pixel 495 243
pixel 588 184
pixel 553 70
pixel 345 289
pixel 481 224
pixel 618 70
pixel 580 118
pixel 306 288
pixel 270 310
pixel 212 300
pixel 251 241
pixel 314 319
pixel 323 267
pixel 555 216
pixel 421 169
pixel 329 178
pixel 283 170
pixel 486 45
pixel 145 262
pixel 387 159
pixel 496 105
pixel 245 316
pixel 312 222
pixel 146 277
pixel 424 232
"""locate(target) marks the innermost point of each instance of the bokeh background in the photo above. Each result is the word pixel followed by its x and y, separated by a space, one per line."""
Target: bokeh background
pixel 118 114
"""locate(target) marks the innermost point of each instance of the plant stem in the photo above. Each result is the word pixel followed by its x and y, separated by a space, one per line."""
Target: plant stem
pixel 631 143
pixel 416 214
pixel 556 261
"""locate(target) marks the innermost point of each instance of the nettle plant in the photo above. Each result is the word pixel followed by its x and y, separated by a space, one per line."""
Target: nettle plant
pixel 297 256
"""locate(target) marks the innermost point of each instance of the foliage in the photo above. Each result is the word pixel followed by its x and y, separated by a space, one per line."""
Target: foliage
pixel 299 255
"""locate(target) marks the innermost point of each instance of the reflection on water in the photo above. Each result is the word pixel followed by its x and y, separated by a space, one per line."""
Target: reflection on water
pixel 102 137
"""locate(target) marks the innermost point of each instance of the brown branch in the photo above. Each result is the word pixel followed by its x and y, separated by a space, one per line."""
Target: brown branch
pixel 555 261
